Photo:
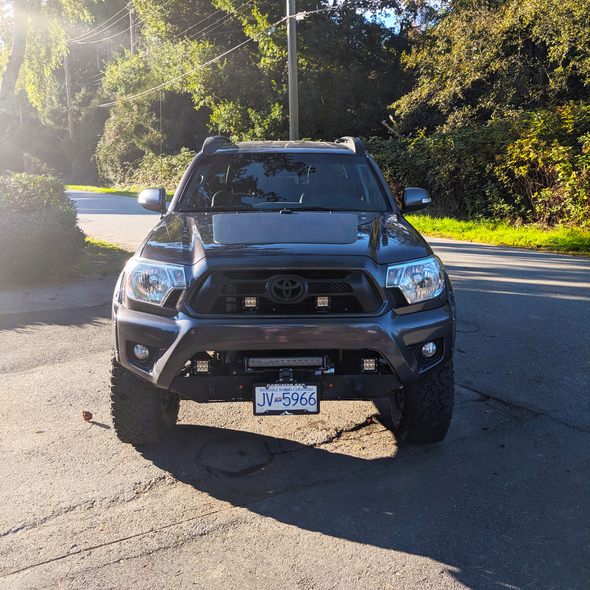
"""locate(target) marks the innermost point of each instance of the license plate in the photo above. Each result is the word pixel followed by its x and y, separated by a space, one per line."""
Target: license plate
pixel 286 399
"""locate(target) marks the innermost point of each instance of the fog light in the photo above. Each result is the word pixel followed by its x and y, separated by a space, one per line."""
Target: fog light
pixel 322 302
pixel 429 350
pixel 370 365
pixel 250 302
pixel 202 366
pixel 141 352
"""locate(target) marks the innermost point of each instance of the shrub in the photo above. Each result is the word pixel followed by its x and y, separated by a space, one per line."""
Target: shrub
pixel 454 166
pixel 532 167
pixel 166 171
pixel 39 235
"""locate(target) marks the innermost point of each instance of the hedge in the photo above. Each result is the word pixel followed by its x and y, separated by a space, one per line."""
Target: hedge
pixel 39 235
pixel 533 167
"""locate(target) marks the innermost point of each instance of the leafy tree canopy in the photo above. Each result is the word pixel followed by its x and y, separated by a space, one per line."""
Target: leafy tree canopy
pixel 481 60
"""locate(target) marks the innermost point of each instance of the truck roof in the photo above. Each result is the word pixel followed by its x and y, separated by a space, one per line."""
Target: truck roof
pixel 220 143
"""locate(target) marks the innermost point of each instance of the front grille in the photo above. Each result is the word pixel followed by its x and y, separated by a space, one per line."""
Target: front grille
pixel 243 289
pixel 329 288
pixel 289 292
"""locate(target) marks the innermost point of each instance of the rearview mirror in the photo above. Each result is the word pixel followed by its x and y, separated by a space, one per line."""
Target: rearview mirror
pixel 415 199
pixel 153 199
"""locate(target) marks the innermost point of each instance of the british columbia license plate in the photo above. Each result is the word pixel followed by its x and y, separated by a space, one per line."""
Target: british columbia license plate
pixel 286 399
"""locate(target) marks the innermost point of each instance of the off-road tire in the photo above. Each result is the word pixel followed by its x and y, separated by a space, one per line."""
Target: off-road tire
pixel 142 413
pixel 422 412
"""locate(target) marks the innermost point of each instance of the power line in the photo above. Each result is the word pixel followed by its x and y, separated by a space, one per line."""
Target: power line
pixel 164 84
pixel 299 16
pixel 202 32
pixel 193 26
pixel 221 20
pixel 121 32
pixel 92 32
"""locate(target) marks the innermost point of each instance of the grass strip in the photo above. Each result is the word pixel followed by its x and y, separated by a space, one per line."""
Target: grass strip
pixel 562 240
pixel 130 191
pixel 101 258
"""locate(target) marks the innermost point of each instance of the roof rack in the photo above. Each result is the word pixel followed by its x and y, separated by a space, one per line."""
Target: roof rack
pixel 212 144
pixel 354 144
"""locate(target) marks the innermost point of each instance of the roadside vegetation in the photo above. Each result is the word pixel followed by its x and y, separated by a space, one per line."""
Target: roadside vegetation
pixel 131 191
pixel 101 258
pixel 40 241
pixel 562 240
pixel 39 235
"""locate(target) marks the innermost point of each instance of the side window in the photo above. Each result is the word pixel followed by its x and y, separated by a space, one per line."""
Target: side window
pixel 206 181
pixel 370 187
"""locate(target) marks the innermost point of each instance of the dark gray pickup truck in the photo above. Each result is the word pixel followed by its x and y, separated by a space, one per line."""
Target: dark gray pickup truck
pixel 283 274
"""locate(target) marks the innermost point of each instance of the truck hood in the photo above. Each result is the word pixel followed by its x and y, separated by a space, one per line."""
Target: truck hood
pixel 186 238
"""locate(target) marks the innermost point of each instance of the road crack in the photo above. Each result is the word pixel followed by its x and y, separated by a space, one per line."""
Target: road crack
pixel 120 540
pixel 536 411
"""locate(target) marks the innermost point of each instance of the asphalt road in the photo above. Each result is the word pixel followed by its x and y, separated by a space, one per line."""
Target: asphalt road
pixel 114 219
pixel 237 501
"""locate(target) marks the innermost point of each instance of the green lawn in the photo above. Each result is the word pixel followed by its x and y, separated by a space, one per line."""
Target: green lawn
pixel 101 258
pixel 561 239
pixel 131 191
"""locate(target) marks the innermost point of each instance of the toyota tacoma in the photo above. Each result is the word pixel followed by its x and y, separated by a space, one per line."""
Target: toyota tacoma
pixel 283 274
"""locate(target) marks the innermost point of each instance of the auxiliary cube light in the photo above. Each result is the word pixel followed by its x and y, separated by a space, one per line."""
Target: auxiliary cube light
pixel 202 366
pixel 370 365
pixel 250 302
pixel 322 302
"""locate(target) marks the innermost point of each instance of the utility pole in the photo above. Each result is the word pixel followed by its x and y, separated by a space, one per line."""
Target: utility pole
pixel 131 28
pixel 292 61
pixel 68 96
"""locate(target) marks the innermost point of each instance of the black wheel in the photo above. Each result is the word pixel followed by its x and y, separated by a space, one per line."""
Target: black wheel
pixel 142 413
pixel 421 413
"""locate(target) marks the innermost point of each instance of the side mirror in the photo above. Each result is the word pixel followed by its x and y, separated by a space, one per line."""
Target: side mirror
pixel 415 199
pixel 153 199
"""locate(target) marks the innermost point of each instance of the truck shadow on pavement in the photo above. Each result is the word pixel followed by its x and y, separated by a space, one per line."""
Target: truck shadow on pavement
pixel 499 509
pixel 77 317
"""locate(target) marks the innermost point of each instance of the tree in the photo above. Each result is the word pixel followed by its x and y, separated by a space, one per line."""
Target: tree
pixel 45 19
pixel 487 59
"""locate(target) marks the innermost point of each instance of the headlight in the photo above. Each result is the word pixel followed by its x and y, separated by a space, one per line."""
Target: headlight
pixel 418 281
pixel 151 282
pixel 118 286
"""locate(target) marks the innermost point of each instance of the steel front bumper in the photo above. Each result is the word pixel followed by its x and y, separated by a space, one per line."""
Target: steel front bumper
pixel 178 338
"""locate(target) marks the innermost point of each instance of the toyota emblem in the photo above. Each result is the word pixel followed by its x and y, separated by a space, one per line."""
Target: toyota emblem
pixel 287 290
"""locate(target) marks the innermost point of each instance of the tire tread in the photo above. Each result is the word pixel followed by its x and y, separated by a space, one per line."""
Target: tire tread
pixel 427 408
pixel 136 408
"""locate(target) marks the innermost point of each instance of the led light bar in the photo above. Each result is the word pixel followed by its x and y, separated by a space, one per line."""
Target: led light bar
pixel 299 361
pixel 370 365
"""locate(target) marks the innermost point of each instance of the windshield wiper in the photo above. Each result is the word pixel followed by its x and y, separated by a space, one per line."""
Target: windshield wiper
pixel 318 209
pixel 214 209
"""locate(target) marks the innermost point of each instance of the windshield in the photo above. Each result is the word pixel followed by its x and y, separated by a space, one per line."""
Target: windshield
pixel 312 181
